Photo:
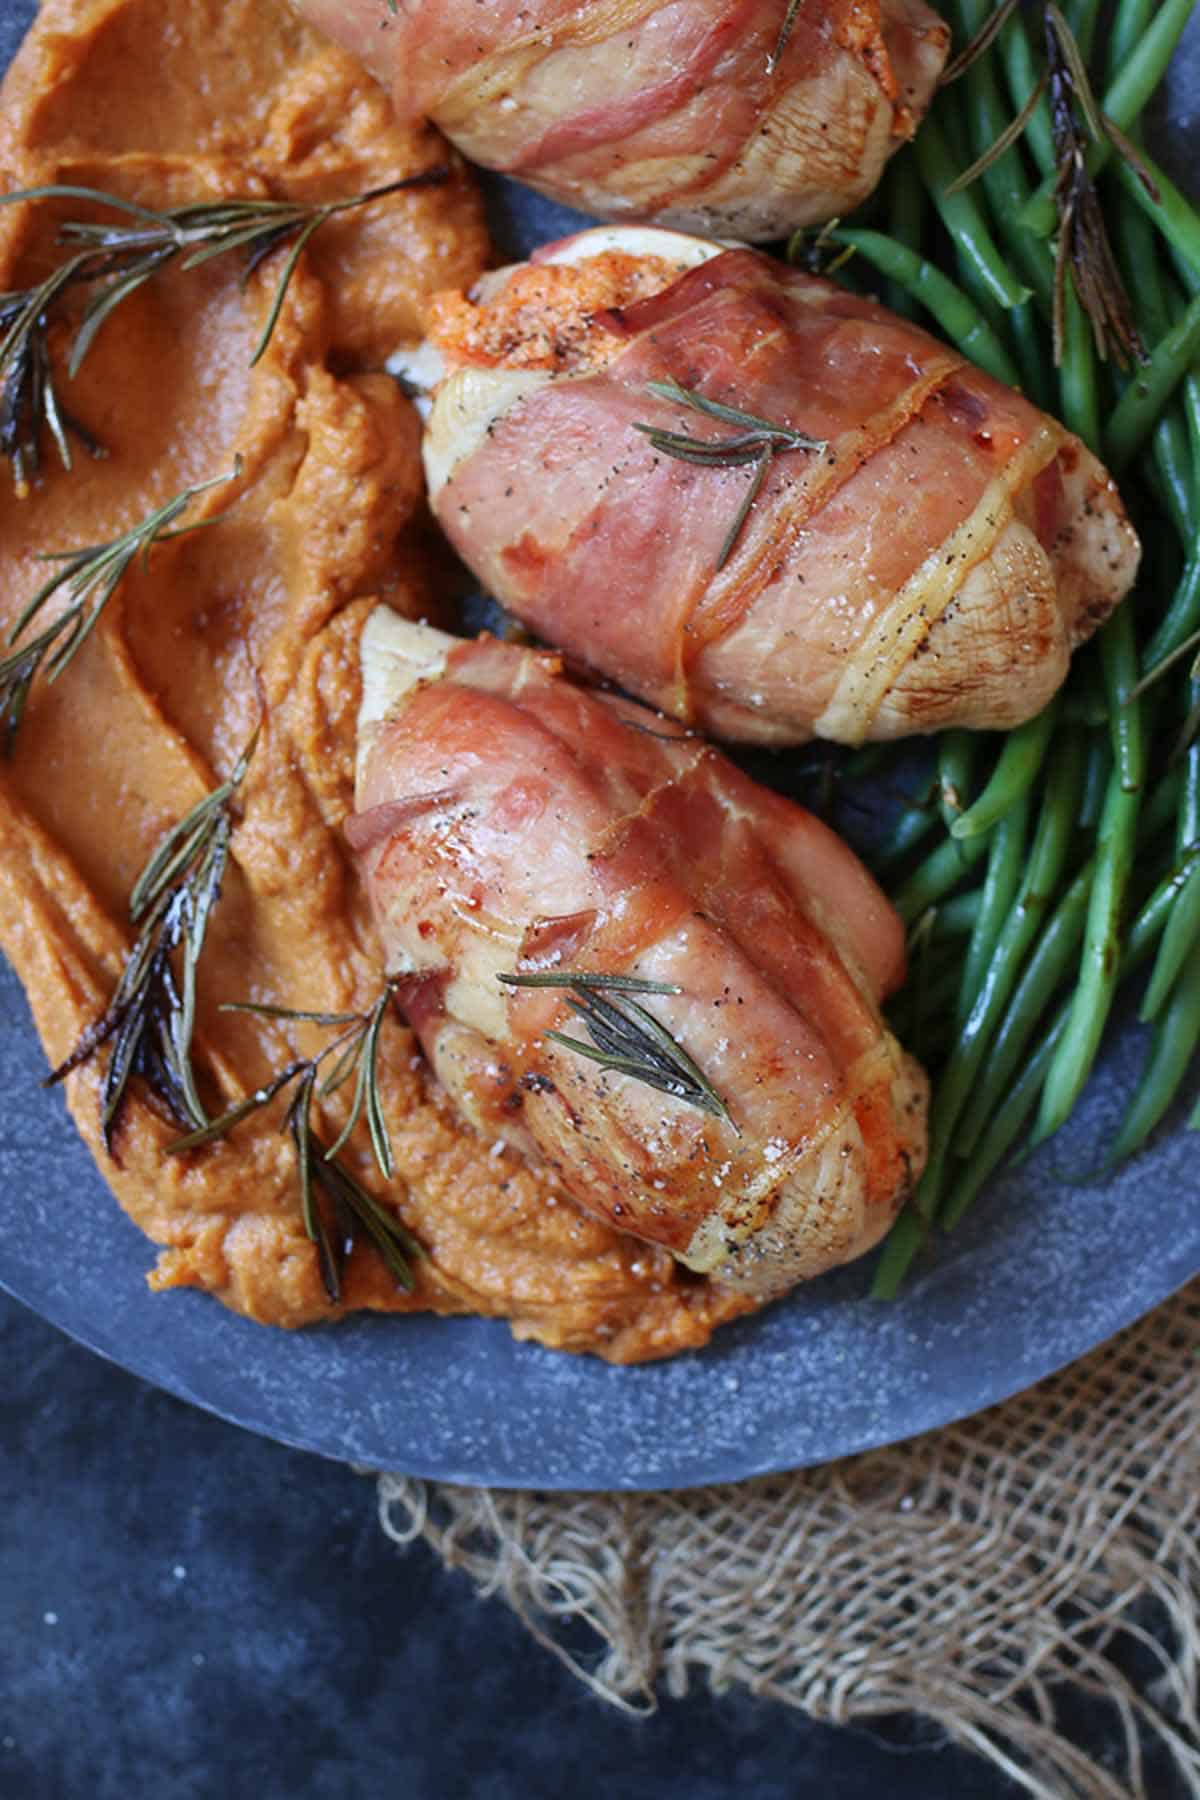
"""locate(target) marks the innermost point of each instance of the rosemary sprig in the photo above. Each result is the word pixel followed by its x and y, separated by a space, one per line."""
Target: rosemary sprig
pixel 1083 244
pixel 626 1038
pixel 88 578
pixel 28 397
pixel 785 32
pixel 756 445
pixel 1083 250
pixel 113 261
pixel 151 1015
pixel 354 1050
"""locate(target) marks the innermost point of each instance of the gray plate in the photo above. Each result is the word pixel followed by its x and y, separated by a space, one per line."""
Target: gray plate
pixel 1048 1266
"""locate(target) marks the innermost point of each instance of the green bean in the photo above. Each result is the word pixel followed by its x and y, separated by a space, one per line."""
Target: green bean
pixel 1095 784
pixel 958 317
pixel 1175 1039
pixel 1124 99
pixel 982 265
pixel 937 875
pixel 1177 946
pixel 1153 917
pixel 1175 217
pixel 958 915
pixel 1079 399
pixel 957 752
pixel 1081 18
pixel 1052 957
pixel 1016 770
pixel 1056 948
pixel 1178 624
pixel 1129 24
pixel 1187 819
pixel 1000 884
pixel 913 824
pixel 1046 859
pixel 906 212
pixel 1144 399
pixel 1173 452
pixel 1093 996
pixel 1005 1123
pixel 1004 181
pixel 1021 75
pixel 904 1240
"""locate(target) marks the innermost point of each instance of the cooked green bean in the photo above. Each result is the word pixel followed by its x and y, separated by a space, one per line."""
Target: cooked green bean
pixel 1047 857
pixel 937 875
pixel 1006 851
pixel 1021 72
pixel 1007 1120
pixel 1176 1036
pixel 1141 405
pixel 1093 996
pixel 1117 830
pixel 983 268
pixel 957 316
pixel 1016 770
pixel 957 753
pixel 1178 944
pixel 1056 949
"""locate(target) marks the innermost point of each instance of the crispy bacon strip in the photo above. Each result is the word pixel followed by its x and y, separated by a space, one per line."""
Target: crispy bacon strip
pixel 673 110
pixel 933 565
pixel 511 822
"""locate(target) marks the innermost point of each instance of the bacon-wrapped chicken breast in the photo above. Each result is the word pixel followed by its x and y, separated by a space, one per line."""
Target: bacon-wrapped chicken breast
pixel 741 117
pixel 767 506
pixel 627 958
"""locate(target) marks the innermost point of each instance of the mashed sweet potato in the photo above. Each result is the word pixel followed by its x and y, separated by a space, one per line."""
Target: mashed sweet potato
pixel 166 102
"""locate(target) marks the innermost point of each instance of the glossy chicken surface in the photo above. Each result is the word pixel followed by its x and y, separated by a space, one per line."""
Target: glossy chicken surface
pixel 510 823
pixel 705 113
pixel 926 548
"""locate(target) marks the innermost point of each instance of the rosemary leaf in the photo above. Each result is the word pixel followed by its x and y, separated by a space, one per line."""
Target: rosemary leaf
pixel 756 446
pixel 785 32
pixel 151 1015
pixel 583 978
pixel 1083 248
pixel 111 261
pixel 353 1050
pixel 626 1038
pixel 89 577
pixel 991 28
pixel 1005 141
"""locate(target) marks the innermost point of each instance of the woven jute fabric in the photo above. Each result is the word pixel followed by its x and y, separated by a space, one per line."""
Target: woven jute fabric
pixel 971 1575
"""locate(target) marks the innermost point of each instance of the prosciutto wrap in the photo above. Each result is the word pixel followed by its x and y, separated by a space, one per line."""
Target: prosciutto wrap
pixel 690 112
pixel 931 562
pixel 511 824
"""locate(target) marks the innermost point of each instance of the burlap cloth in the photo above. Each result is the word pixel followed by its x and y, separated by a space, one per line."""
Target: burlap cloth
pixel 971 1575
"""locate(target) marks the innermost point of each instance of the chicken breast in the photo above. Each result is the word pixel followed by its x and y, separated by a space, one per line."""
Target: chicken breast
pixel 628 959
pixel 704 113
pixel 924 548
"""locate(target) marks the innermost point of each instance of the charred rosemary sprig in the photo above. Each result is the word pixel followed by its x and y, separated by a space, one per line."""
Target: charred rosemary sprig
pixel 29 400
pixel 756 445
pixel 1083 244
pixel 353 1051
pixel 88 578
pixel 113 261
pixel 152 1013
pixel 1083 250
pixel 626 1038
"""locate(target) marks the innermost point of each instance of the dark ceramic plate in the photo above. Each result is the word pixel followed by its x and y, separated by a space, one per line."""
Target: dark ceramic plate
pixel 1046 1268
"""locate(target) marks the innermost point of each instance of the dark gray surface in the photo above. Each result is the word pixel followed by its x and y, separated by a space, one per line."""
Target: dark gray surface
pixel 193 1613
pixel 1047 1268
